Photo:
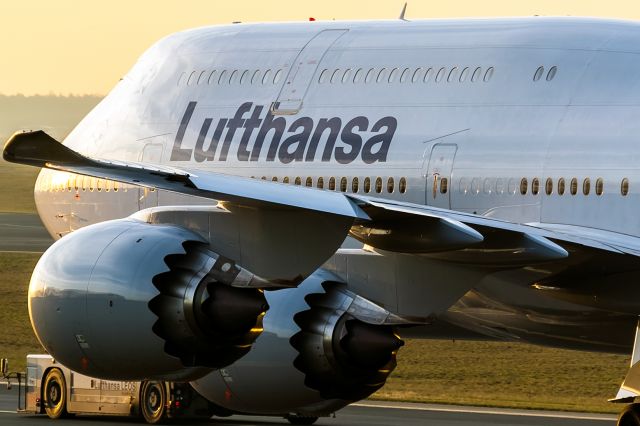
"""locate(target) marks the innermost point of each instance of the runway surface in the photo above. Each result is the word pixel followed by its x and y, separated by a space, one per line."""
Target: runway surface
pixel 368 413
pixel 23 232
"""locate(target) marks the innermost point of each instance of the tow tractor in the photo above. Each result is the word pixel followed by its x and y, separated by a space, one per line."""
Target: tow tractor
pixel 49 388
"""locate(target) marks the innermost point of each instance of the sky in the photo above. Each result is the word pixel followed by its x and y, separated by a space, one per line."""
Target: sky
pixel 84 46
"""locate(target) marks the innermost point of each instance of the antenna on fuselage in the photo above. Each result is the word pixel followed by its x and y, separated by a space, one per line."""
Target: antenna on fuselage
pixel 404 9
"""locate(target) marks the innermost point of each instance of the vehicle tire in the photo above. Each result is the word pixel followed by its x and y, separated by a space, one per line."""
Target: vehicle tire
pixel 630 416
pixel 296 419
pixel 153 402
pixel 54 394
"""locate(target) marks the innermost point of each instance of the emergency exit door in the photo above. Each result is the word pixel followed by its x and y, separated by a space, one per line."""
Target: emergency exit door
pixel 302 71
pixel 438 176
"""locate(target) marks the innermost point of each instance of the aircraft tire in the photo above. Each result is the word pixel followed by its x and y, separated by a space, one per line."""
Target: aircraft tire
pixel 153 402
pixel 630 416
pixel 54 394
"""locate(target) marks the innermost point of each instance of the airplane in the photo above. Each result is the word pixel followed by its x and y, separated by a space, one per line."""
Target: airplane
pixel 264 209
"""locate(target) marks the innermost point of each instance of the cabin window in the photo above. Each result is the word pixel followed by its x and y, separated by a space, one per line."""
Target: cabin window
pixel 298 180
pixel 69 184
pixel 453 75
pixel 552 73
pixel 263 178
pixel 332 183
pixel 463 185
pixel 444 185
pixel 535 186
pixel 212 77
pixel 75 182
pixel 255 78
pixel 92 184
pixel 343 184
pixel 355 185
pixel 427 75
pixel 538 73
pixel 390 185
pixel 369 76
pixel 574 186
pixel 381 75
pixel 223 76
pixel 392 75
pixel 233 77
pixel 244 76
pixel 202 77
pixel 476 74
pixel 624 187
pixel 405 75
pixel 561 186
pixel 441 74
pixel 116 186
pixel 487 186
pixel 475 186
pixel 488 74
pixel 277 77
pixel 99 185
pixel 358 75
pixel 346 76
pixel 402 187
pixel 182 77
pixel 464 74
pixel 524 184
pixel 367 185
pixel 599 186
pixel 548 186
pixel 378 185
pixel 266 77
pixel 192 78
pixel 320 182
pixel 586 186
pixel 335 76
pixel 323 76
pixel 513 186
pixel 309 182
pixel 274 179
pixel 416 75
pixel 285 179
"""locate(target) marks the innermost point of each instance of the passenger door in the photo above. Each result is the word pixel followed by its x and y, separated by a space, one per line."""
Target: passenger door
pixel 302 71
pixel 438 176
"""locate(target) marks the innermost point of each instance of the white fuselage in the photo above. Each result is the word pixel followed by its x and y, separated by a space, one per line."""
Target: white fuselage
pixel 465 100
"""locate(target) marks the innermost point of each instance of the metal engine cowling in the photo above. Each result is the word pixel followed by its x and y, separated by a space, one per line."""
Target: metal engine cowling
pixel 127 300
pixel 322 348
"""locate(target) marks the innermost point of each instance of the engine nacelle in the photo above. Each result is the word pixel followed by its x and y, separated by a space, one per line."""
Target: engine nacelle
pixel 322 348
pixel 128 300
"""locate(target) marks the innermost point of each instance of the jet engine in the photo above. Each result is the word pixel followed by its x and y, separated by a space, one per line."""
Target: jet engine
pixel 127 300
pixel 322 348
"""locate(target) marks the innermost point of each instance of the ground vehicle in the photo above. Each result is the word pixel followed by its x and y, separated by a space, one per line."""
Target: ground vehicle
pixel 57 391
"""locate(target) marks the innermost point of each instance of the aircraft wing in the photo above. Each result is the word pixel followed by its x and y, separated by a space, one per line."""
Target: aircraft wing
pixel 383 224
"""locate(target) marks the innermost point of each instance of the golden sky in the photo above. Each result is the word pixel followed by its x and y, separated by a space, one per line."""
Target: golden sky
pixel 85 46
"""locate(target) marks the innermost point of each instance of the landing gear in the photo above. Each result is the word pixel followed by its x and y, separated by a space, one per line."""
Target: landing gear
pixel 296 419
pixel 630 416
pixel 153 402
pixel 54 394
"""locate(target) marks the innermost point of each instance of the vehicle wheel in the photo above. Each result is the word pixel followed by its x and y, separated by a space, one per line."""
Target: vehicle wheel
pixel 153 402
pixel 630 416
pixel 296 419
pixel 54 394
